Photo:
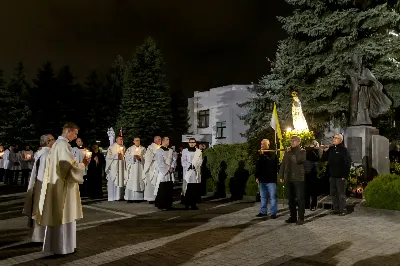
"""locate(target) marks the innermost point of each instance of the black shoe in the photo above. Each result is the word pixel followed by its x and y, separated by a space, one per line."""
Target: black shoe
pixel 273 217
pixel 261 215
pixel 130 201
pixel 291 220
pixel 195 208
pixel 335 212
pixel 151 202
pixel 300 222
pixel 342 213
pixel 313 209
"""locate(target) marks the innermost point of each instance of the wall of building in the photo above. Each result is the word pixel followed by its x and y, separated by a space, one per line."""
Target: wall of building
pixel 222 103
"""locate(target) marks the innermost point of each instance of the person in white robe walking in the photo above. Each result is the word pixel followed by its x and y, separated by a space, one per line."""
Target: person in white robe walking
pixel 115 170
pixel 150 170
pixel 31 207
pixel 60 203
pixel 164 184
pixel 192 159
pixel 134 158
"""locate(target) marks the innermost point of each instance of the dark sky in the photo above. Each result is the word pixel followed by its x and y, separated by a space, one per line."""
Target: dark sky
pixel 220 41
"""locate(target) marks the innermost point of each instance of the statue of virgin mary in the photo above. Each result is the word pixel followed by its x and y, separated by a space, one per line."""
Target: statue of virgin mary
pixel 299 121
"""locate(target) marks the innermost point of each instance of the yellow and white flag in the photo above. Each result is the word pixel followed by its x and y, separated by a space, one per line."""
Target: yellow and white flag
pixel 275 125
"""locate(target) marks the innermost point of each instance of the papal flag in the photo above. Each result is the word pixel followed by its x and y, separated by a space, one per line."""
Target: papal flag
pixel 275 125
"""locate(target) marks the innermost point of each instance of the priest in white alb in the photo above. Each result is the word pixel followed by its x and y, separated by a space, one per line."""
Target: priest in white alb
pixel 115 170
pixel 134 158
pixel 192 159
pixel 150 170
pixel 31 207
pixel 60 203
pixel 164 184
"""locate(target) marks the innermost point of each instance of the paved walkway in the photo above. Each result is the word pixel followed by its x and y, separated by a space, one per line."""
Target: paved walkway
pixel 220 233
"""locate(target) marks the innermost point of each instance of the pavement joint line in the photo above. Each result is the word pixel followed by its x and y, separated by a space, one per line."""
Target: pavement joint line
pixel 79 226
pixel 222 205
pixel 171 218
pixel 13 195
pixel 7 212
pixel 106 210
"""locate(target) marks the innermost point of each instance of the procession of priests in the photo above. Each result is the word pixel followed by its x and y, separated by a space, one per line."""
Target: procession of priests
pixel 53 202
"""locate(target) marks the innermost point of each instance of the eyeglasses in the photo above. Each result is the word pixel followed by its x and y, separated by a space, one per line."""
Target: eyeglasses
pixel 51 139
pixel 193 142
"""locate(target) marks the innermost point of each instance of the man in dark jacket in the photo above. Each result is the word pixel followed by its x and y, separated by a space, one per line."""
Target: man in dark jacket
pixel 266 176
pixel 339 163
pixel 292 172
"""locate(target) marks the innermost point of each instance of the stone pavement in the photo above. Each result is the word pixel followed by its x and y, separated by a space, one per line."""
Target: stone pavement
pixel 220 233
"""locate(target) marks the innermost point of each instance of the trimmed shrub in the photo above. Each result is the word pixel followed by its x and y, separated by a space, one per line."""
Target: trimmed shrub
pixel 383 192
pixel 231 154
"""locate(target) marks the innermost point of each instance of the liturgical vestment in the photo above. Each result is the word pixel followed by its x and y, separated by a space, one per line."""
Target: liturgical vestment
pixel 150 172
pixel 33 194
pixel 134 173
pixel 60 203
pixel 115 171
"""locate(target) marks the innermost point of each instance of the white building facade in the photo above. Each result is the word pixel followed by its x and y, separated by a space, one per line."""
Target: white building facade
pixel 215 115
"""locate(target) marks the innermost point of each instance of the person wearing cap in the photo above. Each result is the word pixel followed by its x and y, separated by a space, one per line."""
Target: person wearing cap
pixel 292 173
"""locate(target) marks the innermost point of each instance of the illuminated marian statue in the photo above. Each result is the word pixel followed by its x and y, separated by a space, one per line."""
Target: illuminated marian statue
pixel 299 121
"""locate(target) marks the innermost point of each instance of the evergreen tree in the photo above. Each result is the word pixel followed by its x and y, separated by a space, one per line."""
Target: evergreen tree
pixel 180 113
pixel 113 92
pixel 23 130
pixel 46 101
pixel 93 119
pixel 146 104
pixel 68 96
pixel 7 104
pixel 322 36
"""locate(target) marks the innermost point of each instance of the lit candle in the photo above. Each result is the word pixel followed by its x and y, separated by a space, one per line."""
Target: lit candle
pixel 121 150
pixel 88 154
pixel 27 156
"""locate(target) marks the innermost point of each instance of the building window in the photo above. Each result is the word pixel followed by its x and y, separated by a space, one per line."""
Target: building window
pixel 203 118
pixel 221 133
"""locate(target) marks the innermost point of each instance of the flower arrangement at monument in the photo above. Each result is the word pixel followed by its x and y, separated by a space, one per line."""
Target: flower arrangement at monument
pixel 356 182
pixel 395 167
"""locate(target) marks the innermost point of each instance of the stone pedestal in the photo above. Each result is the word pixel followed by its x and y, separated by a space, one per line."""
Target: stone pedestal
pixel 380 154
pixel 358 140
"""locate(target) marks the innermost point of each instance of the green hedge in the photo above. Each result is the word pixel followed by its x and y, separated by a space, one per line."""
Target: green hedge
pixel 383 192
pixel 231 154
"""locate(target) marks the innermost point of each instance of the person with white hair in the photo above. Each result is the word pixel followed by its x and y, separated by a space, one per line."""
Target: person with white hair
pixel 339 163
pixel 35 186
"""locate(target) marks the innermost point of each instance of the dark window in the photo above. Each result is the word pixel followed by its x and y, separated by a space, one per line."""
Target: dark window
pixel 203 118
pixel 221 126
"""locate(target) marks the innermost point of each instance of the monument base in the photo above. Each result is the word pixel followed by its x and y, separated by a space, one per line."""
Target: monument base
pixel 369 149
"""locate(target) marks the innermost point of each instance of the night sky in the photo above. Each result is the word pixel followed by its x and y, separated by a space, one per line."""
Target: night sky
pixel 204 43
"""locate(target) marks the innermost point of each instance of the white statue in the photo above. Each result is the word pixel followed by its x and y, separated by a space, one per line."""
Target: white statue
pixel 299 121
pixel 111 135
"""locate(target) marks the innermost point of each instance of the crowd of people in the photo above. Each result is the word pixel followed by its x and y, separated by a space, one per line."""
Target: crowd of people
pixel 298 171
pixel 59 174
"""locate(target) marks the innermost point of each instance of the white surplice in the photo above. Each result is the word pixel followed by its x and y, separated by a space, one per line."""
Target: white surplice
pixel 115 171
pixel 150 172
pixel 165 159
pixel 194 159
pixel 60 203
pixel 31 207
pixel 134 173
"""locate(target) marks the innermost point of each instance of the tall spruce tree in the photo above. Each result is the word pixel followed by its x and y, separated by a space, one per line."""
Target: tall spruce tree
pixel 180 112
pixel 322 36
pixel 146 104
pixel 46 101
pixel 23 130
pixel 68 96
pixel 93 122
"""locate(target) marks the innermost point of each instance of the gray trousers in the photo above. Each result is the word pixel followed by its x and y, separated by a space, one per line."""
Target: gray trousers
pixel 338 194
